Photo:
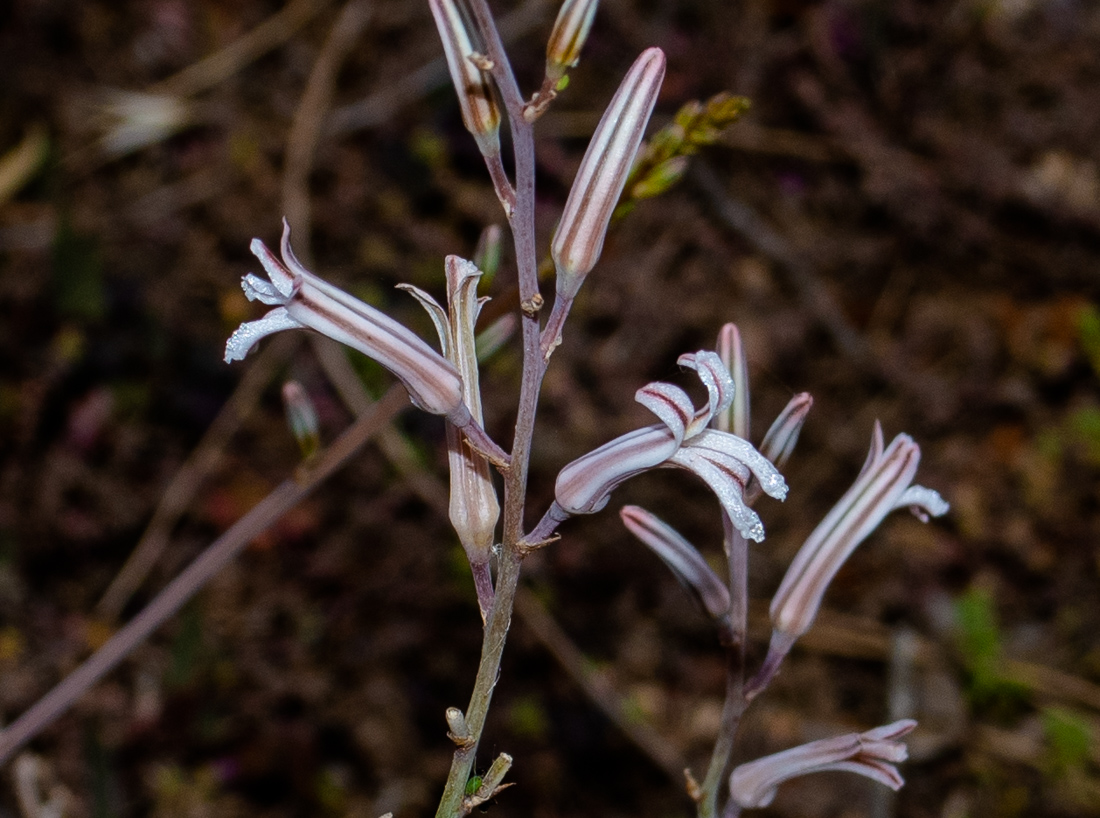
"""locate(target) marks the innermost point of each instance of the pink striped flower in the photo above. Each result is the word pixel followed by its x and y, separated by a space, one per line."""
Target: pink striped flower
pixel 578 240
pixel 302 300
pixel 724 461
pixel 884 484
pixel 681 557
pixel 872 754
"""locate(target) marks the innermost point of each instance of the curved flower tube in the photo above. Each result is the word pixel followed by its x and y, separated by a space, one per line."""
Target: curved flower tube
pixel 681 557
pixel 883 485
pixel 724 461
pixel 872 754
pixel 303 300
pixel 474 509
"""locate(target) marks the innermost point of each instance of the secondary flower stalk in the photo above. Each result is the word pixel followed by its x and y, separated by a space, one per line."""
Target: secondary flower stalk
pixel 872 754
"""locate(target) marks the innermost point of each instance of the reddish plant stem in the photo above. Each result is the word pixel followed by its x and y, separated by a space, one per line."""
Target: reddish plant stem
pixel 452 804
pixel 733 640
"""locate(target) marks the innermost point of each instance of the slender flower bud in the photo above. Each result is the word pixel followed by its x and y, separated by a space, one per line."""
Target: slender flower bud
pixel 303 300
pixel 487 254
pixel 563 51
pixel 301 417
pixel 496 335
pixel 736 418
pixel 782 437
pixel 462 47
pixel 579 238
pixel 474 509
pixel 681 557
pixel 872 754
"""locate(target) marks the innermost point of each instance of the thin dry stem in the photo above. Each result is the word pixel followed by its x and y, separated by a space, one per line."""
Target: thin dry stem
pixel 196 575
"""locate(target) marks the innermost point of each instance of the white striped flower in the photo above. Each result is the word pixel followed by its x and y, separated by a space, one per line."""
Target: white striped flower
pixel 302 300
pixel 884 484
pixel 872 754
pixel 474 508
pixel 578 240
pixel 724 461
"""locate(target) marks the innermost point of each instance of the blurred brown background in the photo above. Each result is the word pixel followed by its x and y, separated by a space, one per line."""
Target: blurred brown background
pixel 906 225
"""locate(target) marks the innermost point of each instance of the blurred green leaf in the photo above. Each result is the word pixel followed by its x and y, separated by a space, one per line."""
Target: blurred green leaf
pixel 1088 331
pixel 989 687
pixel 527 717
pixel 1084 427
pixel 103 779
pixel 186 649
pixel 1068 738
pixel 77 275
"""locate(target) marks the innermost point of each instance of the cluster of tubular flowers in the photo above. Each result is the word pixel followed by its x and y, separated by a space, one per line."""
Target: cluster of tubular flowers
pixel 884 484
pixel 725 462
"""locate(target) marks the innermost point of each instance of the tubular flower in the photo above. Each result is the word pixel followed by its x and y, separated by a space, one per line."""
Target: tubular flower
pixel 563 50
pixel 884 484
pixel 461 46
pixel 578 240
pixel 681 557
pixel 474 509
pixel 724 461
pixel 872 754
pixel 302 300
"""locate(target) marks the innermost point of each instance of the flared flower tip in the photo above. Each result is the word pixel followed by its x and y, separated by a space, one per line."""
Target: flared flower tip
pixel 303 300
pixel 872 754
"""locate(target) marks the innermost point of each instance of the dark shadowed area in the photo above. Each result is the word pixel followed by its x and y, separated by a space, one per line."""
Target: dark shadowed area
pixel 906 224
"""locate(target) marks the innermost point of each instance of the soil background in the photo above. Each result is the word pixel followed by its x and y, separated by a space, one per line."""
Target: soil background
pixel 906 225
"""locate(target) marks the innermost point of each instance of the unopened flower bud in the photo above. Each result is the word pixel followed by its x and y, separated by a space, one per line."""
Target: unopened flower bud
pixel 465 61
pixel 735 418
pixel 563 50
pixel 301 417
pixel 779 442
pixel 681 557
pixel 488 252
pixel 579 238
pixel 474 509
pixel 456 723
